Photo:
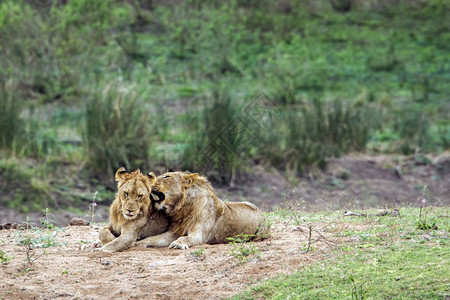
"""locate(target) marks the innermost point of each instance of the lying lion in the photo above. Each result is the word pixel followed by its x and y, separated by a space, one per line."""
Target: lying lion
pixel 197 215
pixel 131 215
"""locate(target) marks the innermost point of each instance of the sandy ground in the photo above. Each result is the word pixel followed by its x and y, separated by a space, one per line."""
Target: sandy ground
pixel 76 269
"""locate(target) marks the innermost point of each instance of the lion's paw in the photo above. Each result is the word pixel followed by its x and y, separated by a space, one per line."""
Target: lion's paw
pixel 140 244
pixel 107 249
pixel 178 245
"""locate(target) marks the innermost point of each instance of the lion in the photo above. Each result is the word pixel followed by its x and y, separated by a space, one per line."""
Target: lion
pixel 197 215
pixel 132 215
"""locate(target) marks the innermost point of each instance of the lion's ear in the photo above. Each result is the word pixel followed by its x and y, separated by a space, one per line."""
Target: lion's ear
pixel 189 179
pixel 120 173
pixel 151 177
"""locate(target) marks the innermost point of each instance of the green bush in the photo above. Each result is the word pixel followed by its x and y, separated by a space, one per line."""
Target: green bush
pixel 23 191
pixel 10 122
pixel 219 142
pixel 225 138
pixel 413 130
pixel 22 136
pixel 50 48
pixel 31 55
pixel 307 134
pixel 116 130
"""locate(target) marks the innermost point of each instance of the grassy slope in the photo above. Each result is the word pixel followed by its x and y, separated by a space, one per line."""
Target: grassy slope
pixel 395 58
pixel 390 259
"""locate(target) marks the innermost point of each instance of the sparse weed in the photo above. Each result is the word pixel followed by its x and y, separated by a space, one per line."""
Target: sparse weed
pixel 46 221
pixel 242 249
pixel 34 237
pixel 264 230
pixel 240 238
pixel 425 223
pixel 4 258
pixel 245 252
pixel 199 252
pixel 358 291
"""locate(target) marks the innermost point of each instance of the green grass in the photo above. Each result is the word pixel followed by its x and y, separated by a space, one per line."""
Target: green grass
pixel 392 259
pixel 116 130
pixel 324 71
pixel 400 272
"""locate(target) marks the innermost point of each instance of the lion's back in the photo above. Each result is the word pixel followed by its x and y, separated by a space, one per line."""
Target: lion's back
pixel 219 220
pixel 238 218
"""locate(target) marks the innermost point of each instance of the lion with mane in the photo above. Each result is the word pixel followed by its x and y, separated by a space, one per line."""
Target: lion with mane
pixel 197 215
pixel 132 215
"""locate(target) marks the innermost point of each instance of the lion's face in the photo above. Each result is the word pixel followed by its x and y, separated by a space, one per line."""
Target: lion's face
pixel 134 192
pixel 170 188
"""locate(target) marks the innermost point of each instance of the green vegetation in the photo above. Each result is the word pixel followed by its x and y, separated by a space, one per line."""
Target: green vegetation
pixel 199 252
pixel 394 273
pixel 117 130
pixel 22 188
pixel 87 86
pixel 242 249
pixel 31 238
pixel 4 258
pixel 390 259
pixel 45 237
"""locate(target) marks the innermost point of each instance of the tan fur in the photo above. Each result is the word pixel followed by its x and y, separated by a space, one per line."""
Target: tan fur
pixel 131 215
pixel 197 215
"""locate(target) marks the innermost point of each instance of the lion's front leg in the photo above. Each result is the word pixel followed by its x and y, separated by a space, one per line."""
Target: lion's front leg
pixel 194 237
pixel 160 240
pixel 128 235
pixel 105 235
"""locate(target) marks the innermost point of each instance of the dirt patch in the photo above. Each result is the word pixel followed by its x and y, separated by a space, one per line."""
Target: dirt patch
pixel 75 269
pixel 354 181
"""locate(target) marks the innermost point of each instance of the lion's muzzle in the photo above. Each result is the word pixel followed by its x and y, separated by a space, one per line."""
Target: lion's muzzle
pixel 129 213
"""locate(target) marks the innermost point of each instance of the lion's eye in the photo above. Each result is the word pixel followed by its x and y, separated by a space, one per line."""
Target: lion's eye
pixel 125 194
pixel 167 176
pixel 140 197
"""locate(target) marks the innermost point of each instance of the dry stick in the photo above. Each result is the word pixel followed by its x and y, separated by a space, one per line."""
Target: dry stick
pixel 29 257
pixel 323 237
pixel 309 237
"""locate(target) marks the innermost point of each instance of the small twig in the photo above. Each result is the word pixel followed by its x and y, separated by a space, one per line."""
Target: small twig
pixel 309 237
pixel 325 238
pixel 28 249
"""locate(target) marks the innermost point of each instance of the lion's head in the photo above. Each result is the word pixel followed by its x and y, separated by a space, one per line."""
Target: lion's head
pixel 170 188
pixel 133 193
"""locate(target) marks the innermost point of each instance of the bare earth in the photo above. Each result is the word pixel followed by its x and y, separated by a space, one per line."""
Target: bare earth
pixel 76 269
